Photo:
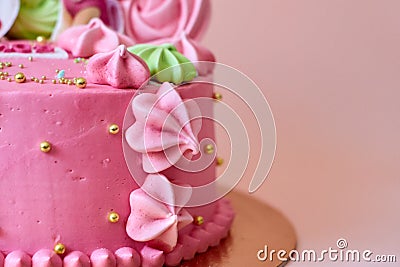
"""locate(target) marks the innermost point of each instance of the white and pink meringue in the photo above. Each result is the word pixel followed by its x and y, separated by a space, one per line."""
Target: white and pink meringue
pixel 118 68
pixel 94 37
pixel 165 129
pixel 154 218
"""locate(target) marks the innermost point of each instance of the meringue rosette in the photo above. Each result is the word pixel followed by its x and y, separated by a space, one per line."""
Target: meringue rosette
pixel 166 64
pixel 154 218
pixel 92 38
pixel 165 129
pixel 118 68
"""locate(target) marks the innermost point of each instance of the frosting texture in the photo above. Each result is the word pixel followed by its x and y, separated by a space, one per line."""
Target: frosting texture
pixel 151 20
pixel 92 38
pixel 165 63
pixel 165 129
pixel 118 68
pixel 152 220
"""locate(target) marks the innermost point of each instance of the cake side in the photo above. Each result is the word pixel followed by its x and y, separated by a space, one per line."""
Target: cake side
pixel 77 193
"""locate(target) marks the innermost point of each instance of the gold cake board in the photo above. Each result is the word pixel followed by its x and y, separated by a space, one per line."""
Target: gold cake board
pixel 256 225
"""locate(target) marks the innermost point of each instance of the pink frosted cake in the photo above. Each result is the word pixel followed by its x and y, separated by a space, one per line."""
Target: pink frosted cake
pixel 96 155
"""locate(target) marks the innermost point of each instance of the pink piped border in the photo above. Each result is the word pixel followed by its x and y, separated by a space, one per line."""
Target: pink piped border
pixel 196 241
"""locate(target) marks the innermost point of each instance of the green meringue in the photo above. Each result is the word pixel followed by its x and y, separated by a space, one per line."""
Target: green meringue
pixel 162 57
pixel 35 18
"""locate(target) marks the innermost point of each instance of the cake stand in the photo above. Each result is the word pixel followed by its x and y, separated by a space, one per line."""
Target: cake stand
pixel 256 225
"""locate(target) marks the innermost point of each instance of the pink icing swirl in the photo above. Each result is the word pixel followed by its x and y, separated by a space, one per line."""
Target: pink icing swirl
pixel 94 37
pixel 195 52
pixel 151 20
pixel 153 221
pixel 165 130
pixel 118 68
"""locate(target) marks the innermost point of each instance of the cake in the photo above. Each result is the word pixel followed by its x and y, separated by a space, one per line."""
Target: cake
pixel 99 142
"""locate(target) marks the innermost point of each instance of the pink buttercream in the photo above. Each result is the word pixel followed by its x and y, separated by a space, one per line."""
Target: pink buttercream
pixel 152 20
pixel 76 259
pixel 127 257
pixel 18 259
pixel 103 258
pixel 46 258
pixel 152 220
pixel 94 37
pixel 195 52
pixel 118 68
pixel 165 129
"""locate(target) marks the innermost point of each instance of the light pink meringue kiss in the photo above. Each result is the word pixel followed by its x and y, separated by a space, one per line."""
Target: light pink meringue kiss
pixel 152 220
pixel 118 68
pixel 94 37
pixel 165 129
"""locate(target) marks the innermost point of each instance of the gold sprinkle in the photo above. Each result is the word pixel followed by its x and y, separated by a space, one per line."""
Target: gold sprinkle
pixel 33 79
pixel 8 64
pixel 113 217
pixel 19 77
pixel 9 79
pixel 41 39
pixel 1 73
pixel 217 96
pixel 30 58
pixel 198 220
pixel 219 161
pixel 70 82
pixel 80 82
pixel 41 81
pixel 44 77
pixel 59 248
pixel 57 70
pixel 21 66
pixel 5 73
pixel 54 81
pixel 2 77
pixel 113 129
pixel 209 149
pixel 45 146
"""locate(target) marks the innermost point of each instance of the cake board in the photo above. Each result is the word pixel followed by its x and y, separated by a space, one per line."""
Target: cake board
pixel 256 224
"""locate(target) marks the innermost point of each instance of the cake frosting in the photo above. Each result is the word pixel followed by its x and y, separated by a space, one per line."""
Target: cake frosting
pixel 92 147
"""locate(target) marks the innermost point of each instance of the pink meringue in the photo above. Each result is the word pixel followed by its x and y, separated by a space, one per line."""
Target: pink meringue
pixel 195 52
pixel 118 68
pixel 151 219
pixel 94 37
pixel 165 129
pixel 152 20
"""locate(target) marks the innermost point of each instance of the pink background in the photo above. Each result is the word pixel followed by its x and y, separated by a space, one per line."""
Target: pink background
pixel 331 73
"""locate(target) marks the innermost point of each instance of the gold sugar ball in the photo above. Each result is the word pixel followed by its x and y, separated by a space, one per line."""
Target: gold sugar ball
pixel 45 146
pixel 57 70
pixel 19 77
pixel 219 161
pixel 21 66
pixel 59 248
pixel 198 220
pixel 8 64
pixel 41 40
pixel 5 73
pixel 30 58
pixel 41 81
pixel 9 79
pixel 44 77
pixel 209 149
pixel 54 81
pixel 1 73
pixel 70 82
pixel 217 96
pixel 80 82
pixel 113 217
pixel 2 77
pixel 113 129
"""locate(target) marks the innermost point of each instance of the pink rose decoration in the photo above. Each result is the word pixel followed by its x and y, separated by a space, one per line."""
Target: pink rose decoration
pixel 152 20
pixel 92 38
pixel 165 129
pixel 118 68
pixel 151 219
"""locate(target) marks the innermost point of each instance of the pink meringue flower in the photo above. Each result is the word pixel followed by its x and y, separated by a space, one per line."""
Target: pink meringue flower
pixel 152 20
pixel 118 68
pixel 154 221
pixel 94 37
pixel 165 129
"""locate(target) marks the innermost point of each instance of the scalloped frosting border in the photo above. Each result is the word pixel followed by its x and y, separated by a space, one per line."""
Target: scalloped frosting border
pixel 197 240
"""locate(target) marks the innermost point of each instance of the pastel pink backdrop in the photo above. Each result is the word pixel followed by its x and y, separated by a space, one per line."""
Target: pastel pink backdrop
pixel 331 73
